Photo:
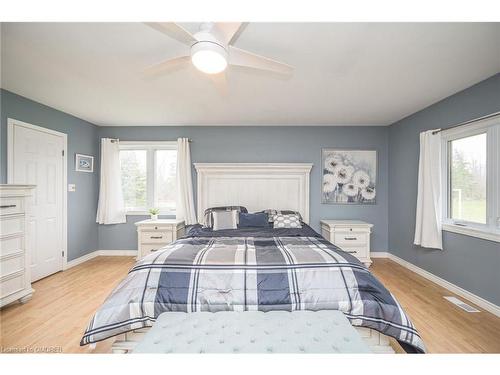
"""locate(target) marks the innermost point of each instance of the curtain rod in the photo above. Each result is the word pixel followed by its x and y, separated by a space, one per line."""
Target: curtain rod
pixel 113 140
pixel 467 122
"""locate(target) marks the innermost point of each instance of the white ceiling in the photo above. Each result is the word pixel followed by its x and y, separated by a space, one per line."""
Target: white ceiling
pixel 345 73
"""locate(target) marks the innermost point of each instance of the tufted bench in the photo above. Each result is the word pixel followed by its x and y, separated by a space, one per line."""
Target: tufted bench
pixel 324 331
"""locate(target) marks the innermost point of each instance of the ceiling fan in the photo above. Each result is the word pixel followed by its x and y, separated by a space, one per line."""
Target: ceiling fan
pixel 211 50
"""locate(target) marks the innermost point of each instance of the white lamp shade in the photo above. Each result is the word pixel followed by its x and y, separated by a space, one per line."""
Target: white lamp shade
pixel 209 57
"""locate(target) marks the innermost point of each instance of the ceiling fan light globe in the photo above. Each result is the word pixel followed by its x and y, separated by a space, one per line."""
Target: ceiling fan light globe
pixel 209 57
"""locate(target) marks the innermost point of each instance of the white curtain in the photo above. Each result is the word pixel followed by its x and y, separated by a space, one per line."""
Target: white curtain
pixel 110 209
pixel 428 218
pixel 185 201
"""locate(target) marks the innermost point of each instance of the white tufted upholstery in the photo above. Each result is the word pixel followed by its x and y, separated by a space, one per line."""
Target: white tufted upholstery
pixel 252 332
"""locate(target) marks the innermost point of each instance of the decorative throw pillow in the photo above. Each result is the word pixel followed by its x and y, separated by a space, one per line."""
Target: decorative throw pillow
pixel 258 219
pixel 271 213
pixel 225 219
pixel 286 221
pixel 208 215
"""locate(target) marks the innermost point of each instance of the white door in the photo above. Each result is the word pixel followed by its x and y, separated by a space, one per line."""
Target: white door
pixel 37 159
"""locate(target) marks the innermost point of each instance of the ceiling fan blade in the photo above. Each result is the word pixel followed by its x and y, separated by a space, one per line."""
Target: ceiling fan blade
pixel 166 66
pixel 173 30
pixel 227 30
pixel 220 82
pixel 251 60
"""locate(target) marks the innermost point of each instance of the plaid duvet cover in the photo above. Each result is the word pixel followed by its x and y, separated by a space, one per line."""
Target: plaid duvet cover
pixel 251 273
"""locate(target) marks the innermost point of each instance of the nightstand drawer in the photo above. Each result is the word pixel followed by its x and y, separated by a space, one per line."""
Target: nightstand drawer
pixel 156 237
pixel 156 228
pixel 351 229
pixel 358 252
pixel 350 239
pixel 151 248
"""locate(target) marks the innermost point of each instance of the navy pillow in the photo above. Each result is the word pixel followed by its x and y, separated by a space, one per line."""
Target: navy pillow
pixel 253 220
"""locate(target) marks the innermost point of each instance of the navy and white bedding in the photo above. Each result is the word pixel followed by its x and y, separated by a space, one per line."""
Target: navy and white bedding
pixel 251 269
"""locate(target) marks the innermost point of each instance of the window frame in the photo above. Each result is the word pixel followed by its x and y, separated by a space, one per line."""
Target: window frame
pixel 491 229
pixel 150 147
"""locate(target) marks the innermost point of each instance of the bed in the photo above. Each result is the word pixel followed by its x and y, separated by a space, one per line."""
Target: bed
pixel 252 269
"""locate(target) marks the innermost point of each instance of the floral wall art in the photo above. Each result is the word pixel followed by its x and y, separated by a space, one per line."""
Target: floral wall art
pixel 349 176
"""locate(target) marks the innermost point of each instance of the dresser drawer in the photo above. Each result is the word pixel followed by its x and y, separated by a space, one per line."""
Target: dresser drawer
pixel 12 225
pixel 350 239
pixel 9 206
pixel 156 237
pixel 11 265
pixel 11 285
pixel 11 245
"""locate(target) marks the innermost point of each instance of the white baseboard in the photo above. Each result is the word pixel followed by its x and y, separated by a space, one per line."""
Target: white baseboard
pixel 479 301
pixel 80 260
pixel 96 253
pixel 118 253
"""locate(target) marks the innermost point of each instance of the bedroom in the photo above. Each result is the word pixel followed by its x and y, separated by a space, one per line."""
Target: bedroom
pixel 218 178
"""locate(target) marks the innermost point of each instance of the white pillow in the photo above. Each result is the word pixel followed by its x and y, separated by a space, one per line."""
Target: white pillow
pixel 225 219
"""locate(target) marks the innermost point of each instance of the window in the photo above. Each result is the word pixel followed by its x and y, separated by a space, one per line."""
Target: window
pixel 148 171
pixel 133 165
pixel 471 179
pixel 468 179
pixel 165 182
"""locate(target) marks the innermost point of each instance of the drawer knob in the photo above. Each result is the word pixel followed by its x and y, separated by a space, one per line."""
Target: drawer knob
pixel 8 206
pixel 156 227
pixel 350 238
pixel 351 252
pixel 156 237
pixel 153 250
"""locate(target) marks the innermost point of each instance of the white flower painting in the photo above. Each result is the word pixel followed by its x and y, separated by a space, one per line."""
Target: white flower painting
pixel 349 176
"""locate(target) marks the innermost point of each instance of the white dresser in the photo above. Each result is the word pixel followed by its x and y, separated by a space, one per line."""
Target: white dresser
pixel 152 235
pixel 15 277
pixel 352 236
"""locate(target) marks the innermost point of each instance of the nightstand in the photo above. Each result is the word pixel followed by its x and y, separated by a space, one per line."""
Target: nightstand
pixel 352 236
pixel 152 235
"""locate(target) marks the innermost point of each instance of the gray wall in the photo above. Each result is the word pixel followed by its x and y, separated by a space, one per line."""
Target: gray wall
pixel 397 147
pixel 82 138
pixel 269 144
pixel 468 262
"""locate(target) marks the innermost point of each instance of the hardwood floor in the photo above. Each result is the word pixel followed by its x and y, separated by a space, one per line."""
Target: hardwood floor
pixel 444 327
pixel 63 303
pixel 62 306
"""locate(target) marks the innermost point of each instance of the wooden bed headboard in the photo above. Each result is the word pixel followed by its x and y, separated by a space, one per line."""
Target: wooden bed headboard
pixel 257 186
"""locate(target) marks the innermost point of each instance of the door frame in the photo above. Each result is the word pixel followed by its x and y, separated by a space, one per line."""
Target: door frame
pixel 10 166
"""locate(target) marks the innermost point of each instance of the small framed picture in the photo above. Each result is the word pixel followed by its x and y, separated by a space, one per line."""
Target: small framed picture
pixel 84 163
